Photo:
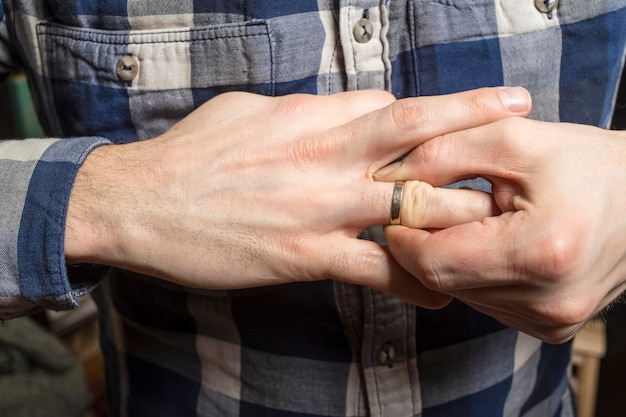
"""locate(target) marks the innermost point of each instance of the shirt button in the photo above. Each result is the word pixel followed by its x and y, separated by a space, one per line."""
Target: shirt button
pixel 386 355
pixel 363 30
pixel 546 6
pixel 127 68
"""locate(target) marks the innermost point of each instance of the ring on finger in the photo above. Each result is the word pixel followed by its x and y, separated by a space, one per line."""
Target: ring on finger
pixel 396 202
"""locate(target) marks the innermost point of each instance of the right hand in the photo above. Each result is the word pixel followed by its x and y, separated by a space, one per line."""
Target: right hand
pixel 250 190
pixel 556 256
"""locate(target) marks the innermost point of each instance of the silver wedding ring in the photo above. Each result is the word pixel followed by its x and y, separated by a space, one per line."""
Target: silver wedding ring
pixel 396 202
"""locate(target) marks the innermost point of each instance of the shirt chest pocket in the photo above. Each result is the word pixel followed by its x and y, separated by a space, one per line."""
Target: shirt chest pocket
pixel 128 85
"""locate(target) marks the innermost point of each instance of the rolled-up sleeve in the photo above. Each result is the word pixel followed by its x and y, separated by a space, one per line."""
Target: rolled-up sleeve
pixel 36 178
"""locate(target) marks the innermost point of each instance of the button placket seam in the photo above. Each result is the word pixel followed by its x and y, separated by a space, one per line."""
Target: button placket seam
pixel 356 336
pixel 334 55
pixel 354 329
pixel 407 352
pixel 373 339
pixel 384 28
pixel 351 7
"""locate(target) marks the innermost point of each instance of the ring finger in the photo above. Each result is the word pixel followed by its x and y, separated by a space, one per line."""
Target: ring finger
pixel 424 206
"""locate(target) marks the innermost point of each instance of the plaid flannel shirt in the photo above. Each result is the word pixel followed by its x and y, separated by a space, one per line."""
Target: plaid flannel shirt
pixel 309 349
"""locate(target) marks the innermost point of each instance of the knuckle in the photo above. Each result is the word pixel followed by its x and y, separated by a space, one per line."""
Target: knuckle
pixel 556 257
pixel 512 126
pixel 431 276
pixel 512 138
pixel 432 152
pixel 370 260
pixel 343 265
pixel 408 114
pixel 564 316
pixel 295 105
pixel 478 104
pixel 559 335
pixel 234 98
pixel 508 131
pixel 229 95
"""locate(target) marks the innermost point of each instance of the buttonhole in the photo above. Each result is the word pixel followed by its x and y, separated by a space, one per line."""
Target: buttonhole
pixel 549 14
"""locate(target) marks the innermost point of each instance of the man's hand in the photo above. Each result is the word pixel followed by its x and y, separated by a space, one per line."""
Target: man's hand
pixel 250 190
pixel 556 256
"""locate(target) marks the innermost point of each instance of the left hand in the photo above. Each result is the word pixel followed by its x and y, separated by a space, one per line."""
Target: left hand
pixel 251 191
pixel 556 256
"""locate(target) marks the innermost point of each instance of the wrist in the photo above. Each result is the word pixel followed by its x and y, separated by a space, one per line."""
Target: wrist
pixel 93 220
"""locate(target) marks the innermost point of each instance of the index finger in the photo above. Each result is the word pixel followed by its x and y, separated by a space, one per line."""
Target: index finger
pixel 374 140
pixel 392 131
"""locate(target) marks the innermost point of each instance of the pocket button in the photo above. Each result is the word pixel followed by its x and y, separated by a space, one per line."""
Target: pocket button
pixel 546 6
pixel 127 68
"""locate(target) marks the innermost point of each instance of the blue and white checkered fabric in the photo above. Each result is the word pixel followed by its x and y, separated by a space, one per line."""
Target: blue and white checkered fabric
pixel 309 349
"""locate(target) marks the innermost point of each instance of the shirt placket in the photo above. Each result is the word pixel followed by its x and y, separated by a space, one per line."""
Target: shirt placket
pixel 384 379
pixel 362 29
pixel 388 356
pixel 390 383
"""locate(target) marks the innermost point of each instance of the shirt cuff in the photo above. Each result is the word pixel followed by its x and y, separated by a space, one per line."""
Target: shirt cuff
pixel 43 278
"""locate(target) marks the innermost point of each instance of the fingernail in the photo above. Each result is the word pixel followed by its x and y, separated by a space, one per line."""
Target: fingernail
pixel 386 170
pixel 516 99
